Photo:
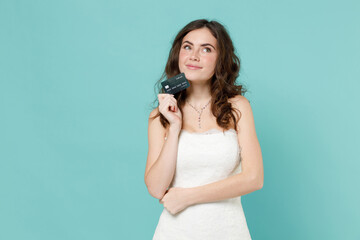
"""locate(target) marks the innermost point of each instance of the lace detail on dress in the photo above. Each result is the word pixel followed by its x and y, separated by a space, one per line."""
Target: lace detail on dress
pixel 203 158
pixel 211 131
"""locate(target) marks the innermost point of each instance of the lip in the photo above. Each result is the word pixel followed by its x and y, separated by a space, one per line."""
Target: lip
pixel 192 67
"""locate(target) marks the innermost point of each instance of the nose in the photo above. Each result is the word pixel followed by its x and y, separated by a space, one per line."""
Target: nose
pixel 194 56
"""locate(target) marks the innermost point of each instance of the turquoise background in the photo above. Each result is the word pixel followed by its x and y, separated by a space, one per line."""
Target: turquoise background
pixel 76 83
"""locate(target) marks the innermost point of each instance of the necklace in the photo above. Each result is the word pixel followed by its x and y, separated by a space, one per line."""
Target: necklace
pixel 201 110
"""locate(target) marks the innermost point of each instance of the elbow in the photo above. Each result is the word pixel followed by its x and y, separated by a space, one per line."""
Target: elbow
pixel 156 193
pixel 258 182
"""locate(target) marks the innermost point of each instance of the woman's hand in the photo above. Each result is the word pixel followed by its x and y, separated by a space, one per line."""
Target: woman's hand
pixel 168 107
pixel 176 199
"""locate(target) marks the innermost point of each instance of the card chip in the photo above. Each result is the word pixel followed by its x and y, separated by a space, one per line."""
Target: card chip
pixel 175 84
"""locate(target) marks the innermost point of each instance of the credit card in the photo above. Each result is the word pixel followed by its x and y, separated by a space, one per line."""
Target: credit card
pixel 175 84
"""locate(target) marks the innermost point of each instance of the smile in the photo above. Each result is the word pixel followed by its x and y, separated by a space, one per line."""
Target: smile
pixel 193 67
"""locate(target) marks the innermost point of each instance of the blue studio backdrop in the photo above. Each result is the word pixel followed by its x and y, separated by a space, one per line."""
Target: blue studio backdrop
pixel 76 86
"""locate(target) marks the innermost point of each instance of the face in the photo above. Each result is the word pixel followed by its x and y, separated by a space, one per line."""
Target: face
pixel 198 54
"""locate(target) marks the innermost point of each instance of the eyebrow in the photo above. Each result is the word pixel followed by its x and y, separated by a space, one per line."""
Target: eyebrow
pixel 205 44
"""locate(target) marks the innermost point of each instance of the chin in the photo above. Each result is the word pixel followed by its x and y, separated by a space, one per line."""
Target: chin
pixel 192 75
pixel 195 77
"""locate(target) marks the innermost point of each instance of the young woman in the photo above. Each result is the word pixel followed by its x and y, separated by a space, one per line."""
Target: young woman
pixel 203 150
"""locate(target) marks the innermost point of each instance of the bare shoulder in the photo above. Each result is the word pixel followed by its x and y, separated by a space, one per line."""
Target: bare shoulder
pixel 241 103
pixel 154 112
pixel 156 139
pixel 155 128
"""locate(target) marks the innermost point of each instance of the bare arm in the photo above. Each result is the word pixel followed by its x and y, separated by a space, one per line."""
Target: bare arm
pixel 161 172
pixel 162 155
pixel 234 186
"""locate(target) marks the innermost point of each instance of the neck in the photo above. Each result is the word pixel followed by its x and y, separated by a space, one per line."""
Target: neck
pixel 198 94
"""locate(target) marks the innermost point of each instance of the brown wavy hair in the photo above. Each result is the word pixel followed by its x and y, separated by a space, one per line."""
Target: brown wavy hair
pixel 223 82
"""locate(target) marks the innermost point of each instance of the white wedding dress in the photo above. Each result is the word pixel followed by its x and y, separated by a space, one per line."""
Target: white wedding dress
pixel 204 158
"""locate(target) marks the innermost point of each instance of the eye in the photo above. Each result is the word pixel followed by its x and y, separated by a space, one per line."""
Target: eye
pixel 186 46
pixel 209 50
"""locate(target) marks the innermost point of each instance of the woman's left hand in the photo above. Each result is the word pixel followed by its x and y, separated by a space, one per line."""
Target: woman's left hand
pixel 176 199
